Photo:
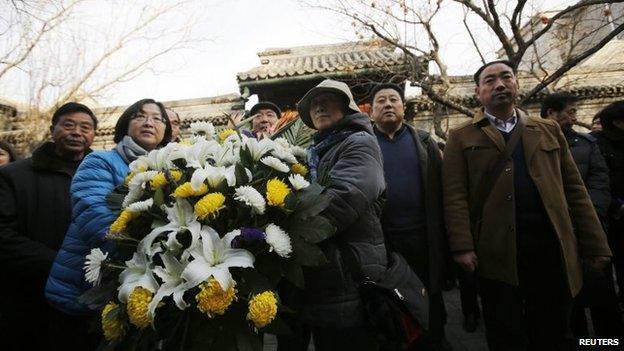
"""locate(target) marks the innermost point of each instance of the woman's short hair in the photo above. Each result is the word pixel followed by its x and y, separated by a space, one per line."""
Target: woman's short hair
pixel 121 128
pixel 8 148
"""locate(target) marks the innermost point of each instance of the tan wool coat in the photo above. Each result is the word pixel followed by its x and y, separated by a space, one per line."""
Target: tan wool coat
pixel 471 151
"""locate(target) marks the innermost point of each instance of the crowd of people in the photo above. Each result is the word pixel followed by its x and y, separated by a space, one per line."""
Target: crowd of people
pixel 528 212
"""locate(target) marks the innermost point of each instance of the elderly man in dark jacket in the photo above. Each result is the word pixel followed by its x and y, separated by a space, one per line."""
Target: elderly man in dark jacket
pixel 34 215
pixel 598 290
pixel 346 154
pixel 413 215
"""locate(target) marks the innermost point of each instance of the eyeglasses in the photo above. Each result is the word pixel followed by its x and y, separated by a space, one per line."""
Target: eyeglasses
pixel 142 118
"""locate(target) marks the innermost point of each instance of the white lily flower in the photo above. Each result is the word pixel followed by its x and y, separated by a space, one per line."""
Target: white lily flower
pixel 228 154
pixel 141 206
pixel 173 284
pixel 181 217
pixel 275 163
pixel 281 141
pixel 93 265
pixel 205 128
pixel 141 164
pixel 251 197
pixel 214 176
pixel 197 154
pixel 278 240
pixel 136 186
pixel 298 182
pixel 159 159
pixel 138 273
pixel 256 148
pixel 214 256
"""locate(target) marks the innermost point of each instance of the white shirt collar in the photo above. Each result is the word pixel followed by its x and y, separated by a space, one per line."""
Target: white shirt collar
pixel 504 126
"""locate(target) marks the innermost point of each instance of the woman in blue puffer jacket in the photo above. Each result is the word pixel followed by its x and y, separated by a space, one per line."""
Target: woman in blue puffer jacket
pixel 144 126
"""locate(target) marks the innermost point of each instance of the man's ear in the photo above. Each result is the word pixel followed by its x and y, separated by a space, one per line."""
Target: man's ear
pixel 550 113
pixel 477 92
pixel 52 129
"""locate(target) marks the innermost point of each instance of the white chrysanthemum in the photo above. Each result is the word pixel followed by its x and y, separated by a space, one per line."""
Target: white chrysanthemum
pixel 284 155
pixel 275 163
pixel 251 197
pixel 93 265
pixel 205 128
pixel 278 240
pixel 141 205
pixel 298 182
pixel 299 152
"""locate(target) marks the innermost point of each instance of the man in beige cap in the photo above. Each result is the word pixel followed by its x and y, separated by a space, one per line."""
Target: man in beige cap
pixel 346 154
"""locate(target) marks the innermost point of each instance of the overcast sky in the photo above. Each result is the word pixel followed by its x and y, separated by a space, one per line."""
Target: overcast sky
pixel 236 30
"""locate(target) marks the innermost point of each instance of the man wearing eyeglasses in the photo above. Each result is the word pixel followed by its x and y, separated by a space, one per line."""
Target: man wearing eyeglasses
pixel 34 215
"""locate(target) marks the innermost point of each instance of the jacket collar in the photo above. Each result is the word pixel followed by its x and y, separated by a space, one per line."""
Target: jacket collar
pixel 531 135
pixel 44 158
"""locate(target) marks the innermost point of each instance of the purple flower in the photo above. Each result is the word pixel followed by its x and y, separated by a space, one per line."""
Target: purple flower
pixel 248 237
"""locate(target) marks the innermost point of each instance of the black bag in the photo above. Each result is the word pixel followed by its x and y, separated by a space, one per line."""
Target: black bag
pixel 396 306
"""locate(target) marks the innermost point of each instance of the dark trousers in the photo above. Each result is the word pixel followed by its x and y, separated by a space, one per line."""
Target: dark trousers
pixel 598 294
pixel 468 293
pixel 534 315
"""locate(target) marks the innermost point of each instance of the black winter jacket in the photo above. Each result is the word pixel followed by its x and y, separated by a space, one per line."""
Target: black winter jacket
pixel 593 169
pixel 35 212
pixel 611 142
pixel 356 184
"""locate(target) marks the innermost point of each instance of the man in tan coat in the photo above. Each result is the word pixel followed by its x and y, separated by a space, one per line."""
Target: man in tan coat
pixel 535 226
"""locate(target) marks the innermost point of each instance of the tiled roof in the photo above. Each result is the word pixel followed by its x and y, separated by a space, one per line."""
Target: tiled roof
pixel 333 58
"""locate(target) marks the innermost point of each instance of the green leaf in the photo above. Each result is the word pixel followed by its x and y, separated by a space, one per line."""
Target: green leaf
pixel 241 174
pixel 115 198
pixel 307 254
pixel 278 327
pixel 99 295
pixel 313 229
pixel 310 204
pixel 292 271
pixel 159 198
pixel 296 132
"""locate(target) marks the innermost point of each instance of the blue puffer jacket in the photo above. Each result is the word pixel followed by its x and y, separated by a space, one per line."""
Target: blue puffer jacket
pixel 99 173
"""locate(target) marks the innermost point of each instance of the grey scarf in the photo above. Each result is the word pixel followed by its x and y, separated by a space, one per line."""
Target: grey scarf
pixel 129 150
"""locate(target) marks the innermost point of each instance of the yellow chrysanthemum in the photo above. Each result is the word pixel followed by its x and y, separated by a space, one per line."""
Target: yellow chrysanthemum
pixel 300 169
pixel 212 299
pixel 113 328
pixel 226 133
pixel 186 190
pixel 119 225
pixel 276 192
pixel 160 179
pixel 209 205
pixel 262 309
pixel 137 307
pixel 186 142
